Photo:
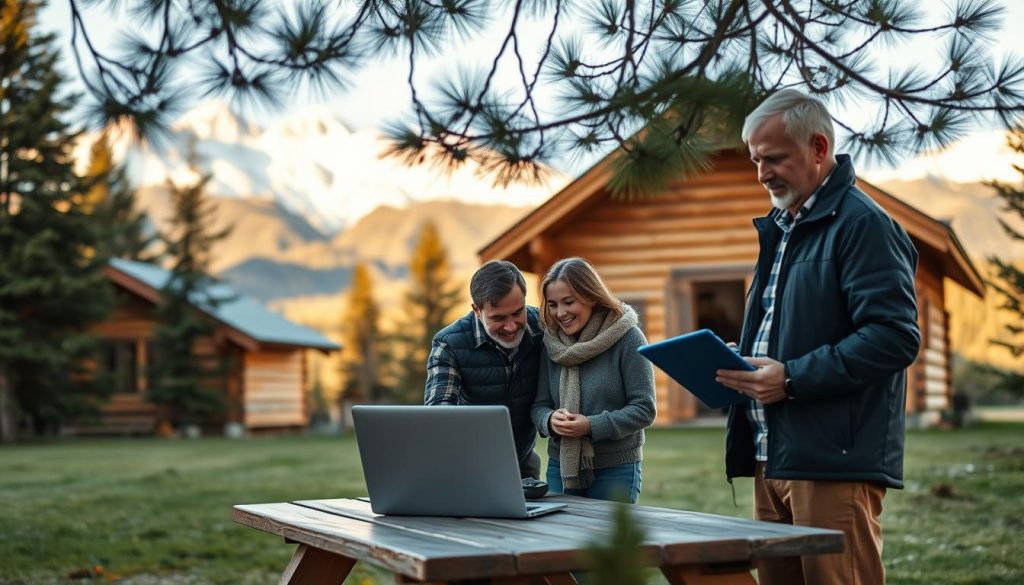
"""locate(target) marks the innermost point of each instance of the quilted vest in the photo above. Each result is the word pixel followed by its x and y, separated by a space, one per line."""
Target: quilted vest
pixel 484 377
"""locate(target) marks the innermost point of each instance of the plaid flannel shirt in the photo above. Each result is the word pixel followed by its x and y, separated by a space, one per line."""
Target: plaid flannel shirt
pixel 755 411
pixel 444 381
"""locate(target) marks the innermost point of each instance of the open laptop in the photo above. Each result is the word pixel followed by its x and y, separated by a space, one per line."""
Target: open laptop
pixel 442 461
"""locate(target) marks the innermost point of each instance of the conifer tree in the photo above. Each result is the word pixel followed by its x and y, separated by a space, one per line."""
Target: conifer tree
pixel 111 200
pixel 616 559
pixel 686 71
pixel 363 355
pixel 1009 277
pixel 51 289
pixel 184 365
pixel 427 308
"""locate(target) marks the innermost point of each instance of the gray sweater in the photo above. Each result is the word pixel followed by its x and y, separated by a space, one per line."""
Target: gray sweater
pixel 617 389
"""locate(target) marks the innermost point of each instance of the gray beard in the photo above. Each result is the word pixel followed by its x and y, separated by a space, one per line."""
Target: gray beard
pixel 509 344
pixel 784 202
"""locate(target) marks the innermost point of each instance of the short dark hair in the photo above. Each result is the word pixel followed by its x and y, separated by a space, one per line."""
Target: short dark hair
pixel 493 281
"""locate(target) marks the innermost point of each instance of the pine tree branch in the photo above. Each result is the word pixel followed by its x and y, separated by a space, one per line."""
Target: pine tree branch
pixel 903 97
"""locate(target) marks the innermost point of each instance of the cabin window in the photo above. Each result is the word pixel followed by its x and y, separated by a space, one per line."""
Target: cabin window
pixel 119 365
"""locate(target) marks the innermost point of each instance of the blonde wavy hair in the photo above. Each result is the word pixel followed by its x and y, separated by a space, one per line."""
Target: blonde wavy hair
pixel 585 283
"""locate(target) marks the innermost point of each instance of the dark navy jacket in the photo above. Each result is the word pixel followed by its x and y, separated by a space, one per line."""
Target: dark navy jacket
pixel 467 367
pixel 845 327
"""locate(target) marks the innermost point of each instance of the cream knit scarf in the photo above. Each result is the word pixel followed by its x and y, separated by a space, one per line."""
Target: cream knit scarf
pixel 603 330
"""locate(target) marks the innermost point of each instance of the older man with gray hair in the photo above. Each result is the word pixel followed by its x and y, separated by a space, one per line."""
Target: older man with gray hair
pixel 831 325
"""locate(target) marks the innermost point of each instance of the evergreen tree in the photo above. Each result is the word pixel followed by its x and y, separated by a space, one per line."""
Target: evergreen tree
pixel 316 403
pixel 362 354
pixel 185 365
pixel 51 289
pixel 1009 282
pixel 616 558
pixel 686 71
pixel 111 199
pixel 427 308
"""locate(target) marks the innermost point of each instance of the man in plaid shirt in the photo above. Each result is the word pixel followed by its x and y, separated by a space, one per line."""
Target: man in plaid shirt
pixel 831 324
pixel 491 355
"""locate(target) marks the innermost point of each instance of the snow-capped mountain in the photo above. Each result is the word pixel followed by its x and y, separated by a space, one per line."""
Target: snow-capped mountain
pixel 309 162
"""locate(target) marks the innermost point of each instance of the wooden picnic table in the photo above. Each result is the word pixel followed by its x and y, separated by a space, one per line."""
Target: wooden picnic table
pixel 689 547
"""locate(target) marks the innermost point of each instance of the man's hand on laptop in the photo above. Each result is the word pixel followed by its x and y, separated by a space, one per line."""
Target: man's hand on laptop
pixel 568 424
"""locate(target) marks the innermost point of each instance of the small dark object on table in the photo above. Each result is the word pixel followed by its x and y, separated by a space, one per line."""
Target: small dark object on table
pixel 534 488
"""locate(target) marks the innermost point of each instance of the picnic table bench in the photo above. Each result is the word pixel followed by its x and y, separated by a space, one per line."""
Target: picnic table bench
pixel 690 548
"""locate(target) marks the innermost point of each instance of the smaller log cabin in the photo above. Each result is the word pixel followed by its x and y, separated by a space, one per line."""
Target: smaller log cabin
pixel 684 259
pixel 264 386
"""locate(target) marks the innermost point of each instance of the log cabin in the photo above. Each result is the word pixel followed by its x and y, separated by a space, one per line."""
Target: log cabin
pixel 265 384
pixel 684 257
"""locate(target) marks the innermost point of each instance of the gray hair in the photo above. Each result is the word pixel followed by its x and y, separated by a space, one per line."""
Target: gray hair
pixel 493 281
pixel 802 115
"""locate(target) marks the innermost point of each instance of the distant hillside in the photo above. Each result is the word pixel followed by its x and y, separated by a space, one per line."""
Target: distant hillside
pixel 267 280
pixel 308 161
pixel 388 234
pixel 290 266
pixel 259 227
pixel 971 208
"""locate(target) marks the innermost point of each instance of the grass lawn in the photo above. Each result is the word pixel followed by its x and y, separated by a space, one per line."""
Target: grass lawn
pixel 158 511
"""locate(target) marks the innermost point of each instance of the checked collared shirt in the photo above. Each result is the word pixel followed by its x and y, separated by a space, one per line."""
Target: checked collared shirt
pixel 786 222
pixel 444 381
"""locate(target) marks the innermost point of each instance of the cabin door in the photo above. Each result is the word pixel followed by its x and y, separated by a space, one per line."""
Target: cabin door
pixel 704 298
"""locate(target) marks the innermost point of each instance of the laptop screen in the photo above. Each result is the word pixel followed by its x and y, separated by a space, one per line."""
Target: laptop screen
pixel 439 460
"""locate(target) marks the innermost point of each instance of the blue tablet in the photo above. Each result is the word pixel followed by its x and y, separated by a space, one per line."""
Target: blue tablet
pixel 692 359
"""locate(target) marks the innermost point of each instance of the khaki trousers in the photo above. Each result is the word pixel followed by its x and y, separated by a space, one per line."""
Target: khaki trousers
pixel 853 507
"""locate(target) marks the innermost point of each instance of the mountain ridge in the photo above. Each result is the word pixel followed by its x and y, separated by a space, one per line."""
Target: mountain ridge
pixel 308 161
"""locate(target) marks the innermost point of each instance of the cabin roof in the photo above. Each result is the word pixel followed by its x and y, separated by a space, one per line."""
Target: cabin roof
pixel 238 312
pixel 563 205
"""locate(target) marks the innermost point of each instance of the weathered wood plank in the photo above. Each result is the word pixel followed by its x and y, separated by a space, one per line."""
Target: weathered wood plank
pixel 274 420
pixel 271 374
pixel 697 537
pixel 718 191
pixel 610 223
pixel 661 225
pixel 264 405
pixel 676 536
pixel 681 257
pixel 436 549
pixel 419 556
pixel 680 540
pixel 635 270
pixel 748 207
pixel 277 359
pixel 648 239
pixel 541 545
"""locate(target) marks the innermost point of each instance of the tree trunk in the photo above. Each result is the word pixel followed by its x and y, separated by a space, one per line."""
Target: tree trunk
pixel 8 430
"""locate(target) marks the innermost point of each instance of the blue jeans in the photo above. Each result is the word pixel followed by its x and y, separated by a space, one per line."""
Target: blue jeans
pixel 618 484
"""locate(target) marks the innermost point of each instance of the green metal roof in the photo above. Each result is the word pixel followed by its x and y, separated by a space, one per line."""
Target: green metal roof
pixel 235 310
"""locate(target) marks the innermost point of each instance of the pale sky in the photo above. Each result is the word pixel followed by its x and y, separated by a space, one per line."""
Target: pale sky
pixel 379 93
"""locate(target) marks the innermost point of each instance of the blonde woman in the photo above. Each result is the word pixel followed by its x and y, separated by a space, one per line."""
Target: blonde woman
pixel 595 393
